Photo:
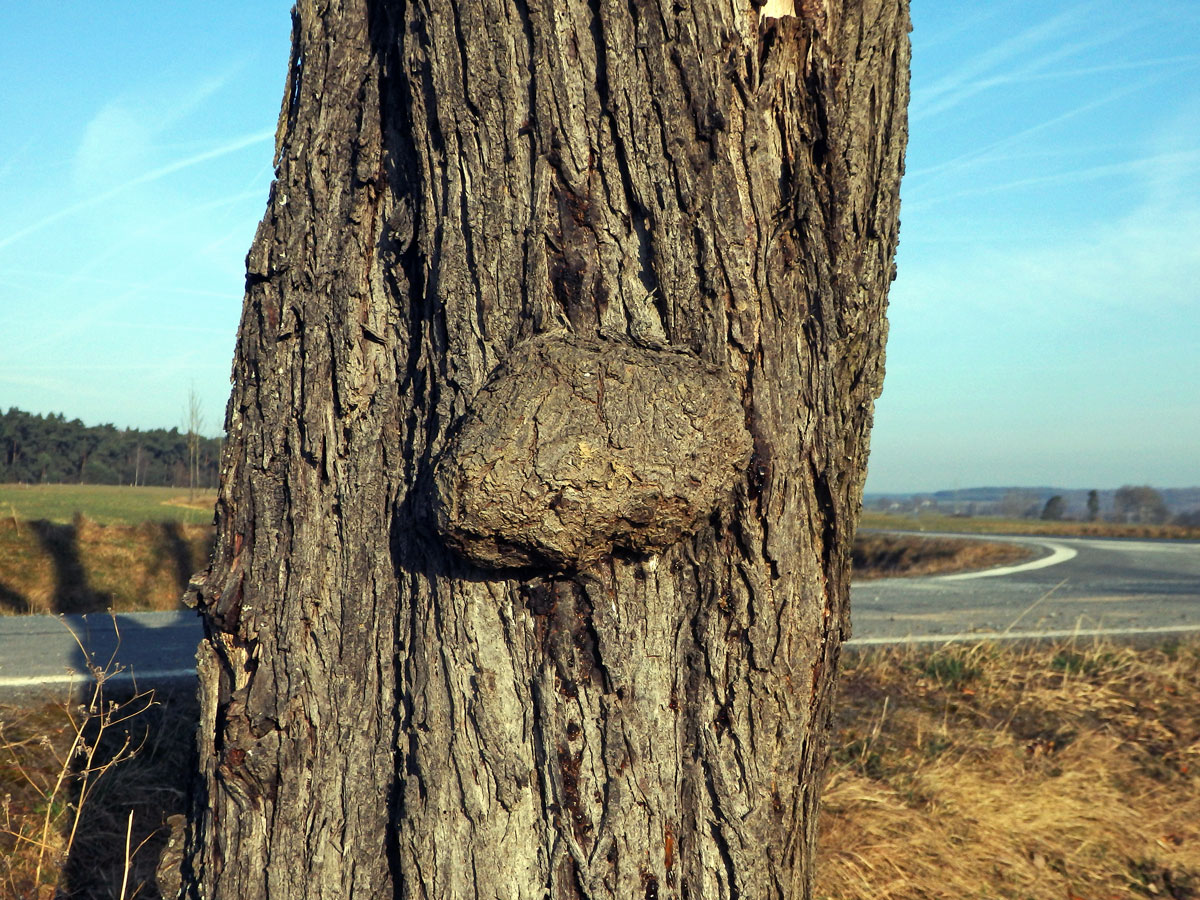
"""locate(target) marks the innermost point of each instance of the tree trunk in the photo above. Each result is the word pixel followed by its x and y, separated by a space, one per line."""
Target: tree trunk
pixel 647 244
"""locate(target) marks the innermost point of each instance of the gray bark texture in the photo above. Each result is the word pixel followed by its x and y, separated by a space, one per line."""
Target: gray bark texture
pixel 552 393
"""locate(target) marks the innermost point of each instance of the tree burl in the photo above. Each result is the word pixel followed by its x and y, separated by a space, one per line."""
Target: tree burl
pixel 578 446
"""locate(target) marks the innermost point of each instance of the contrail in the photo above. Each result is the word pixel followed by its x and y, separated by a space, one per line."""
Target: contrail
pixel 153 175
pixel 941 93
pixel 1101 69
pixel 1151 164
pixel 959 89
pixel 984 154
pixel 1030 75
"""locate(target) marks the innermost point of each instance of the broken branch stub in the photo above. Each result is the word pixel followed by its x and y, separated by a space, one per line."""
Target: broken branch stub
pixel 577 446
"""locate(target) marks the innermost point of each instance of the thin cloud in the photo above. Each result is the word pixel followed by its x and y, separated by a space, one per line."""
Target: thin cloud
pixel 183 106
pixel 116 143
pixel 225 149
pixel 9 164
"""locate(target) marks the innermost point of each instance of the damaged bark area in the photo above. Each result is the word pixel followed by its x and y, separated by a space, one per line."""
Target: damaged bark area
pixel 581 446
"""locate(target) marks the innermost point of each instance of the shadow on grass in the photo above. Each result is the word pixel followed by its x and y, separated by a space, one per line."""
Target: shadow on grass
pixel 12 600
pixel 71 591
pixel 172 543
pixel 93 568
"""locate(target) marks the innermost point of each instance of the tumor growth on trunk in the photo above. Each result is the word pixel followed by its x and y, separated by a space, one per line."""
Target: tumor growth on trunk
pixel 579 446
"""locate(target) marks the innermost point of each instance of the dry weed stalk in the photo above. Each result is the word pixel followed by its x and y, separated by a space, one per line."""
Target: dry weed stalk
pixel 43 842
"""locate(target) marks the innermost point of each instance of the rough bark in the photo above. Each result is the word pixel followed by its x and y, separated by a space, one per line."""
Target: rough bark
pixel 578 448
pixel 645 716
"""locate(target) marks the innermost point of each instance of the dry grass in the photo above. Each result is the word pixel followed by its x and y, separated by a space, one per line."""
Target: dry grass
pixel 890 555
pixel 1048 772
pixel 1054 771
pixel 999 525
pixel 46 567
pixel 86 792
pixel 85 789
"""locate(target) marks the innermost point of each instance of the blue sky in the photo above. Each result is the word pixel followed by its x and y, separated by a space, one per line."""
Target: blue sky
pixel 1045 324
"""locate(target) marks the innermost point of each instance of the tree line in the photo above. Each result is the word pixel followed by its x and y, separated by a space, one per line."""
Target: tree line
pixel 51 449
pixel 1137 504
pixel 1129 504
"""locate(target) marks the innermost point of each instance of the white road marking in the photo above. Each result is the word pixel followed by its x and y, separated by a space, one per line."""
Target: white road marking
pixel 1060 554
pixel 79 678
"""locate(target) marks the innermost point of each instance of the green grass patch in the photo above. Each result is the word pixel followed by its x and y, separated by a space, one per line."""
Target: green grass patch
pixel 105 504
pixel 950 669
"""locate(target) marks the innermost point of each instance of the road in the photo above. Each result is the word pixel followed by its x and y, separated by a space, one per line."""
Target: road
pixel 1074 586
pixel 56 653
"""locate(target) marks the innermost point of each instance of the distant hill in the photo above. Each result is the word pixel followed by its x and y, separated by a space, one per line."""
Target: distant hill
pixel 1021 501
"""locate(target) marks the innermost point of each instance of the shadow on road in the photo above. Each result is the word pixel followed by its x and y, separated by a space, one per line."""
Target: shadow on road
pixel 140 756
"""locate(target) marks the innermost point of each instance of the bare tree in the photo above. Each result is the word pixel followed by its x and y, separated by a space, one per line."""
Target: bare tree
pixel 194 427
pixel 561 340
pixel 1141 504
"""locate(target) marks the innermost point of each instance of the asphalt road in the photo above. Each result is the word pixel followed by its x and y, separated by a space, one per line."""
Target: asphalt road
pixel 1074 586
pixel 59 653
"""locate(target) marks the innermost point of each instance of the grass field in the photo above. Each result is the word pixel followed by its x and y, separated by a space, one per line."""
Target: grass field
pixel 1054 772
pixel 90 548
pixel 82 567
pixel 104 504
pixel 1067 771
pixel 994 525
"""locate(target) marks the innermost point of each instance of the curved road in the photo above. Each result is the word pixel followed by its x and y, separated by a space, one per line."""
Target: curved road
pixel 1074 586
